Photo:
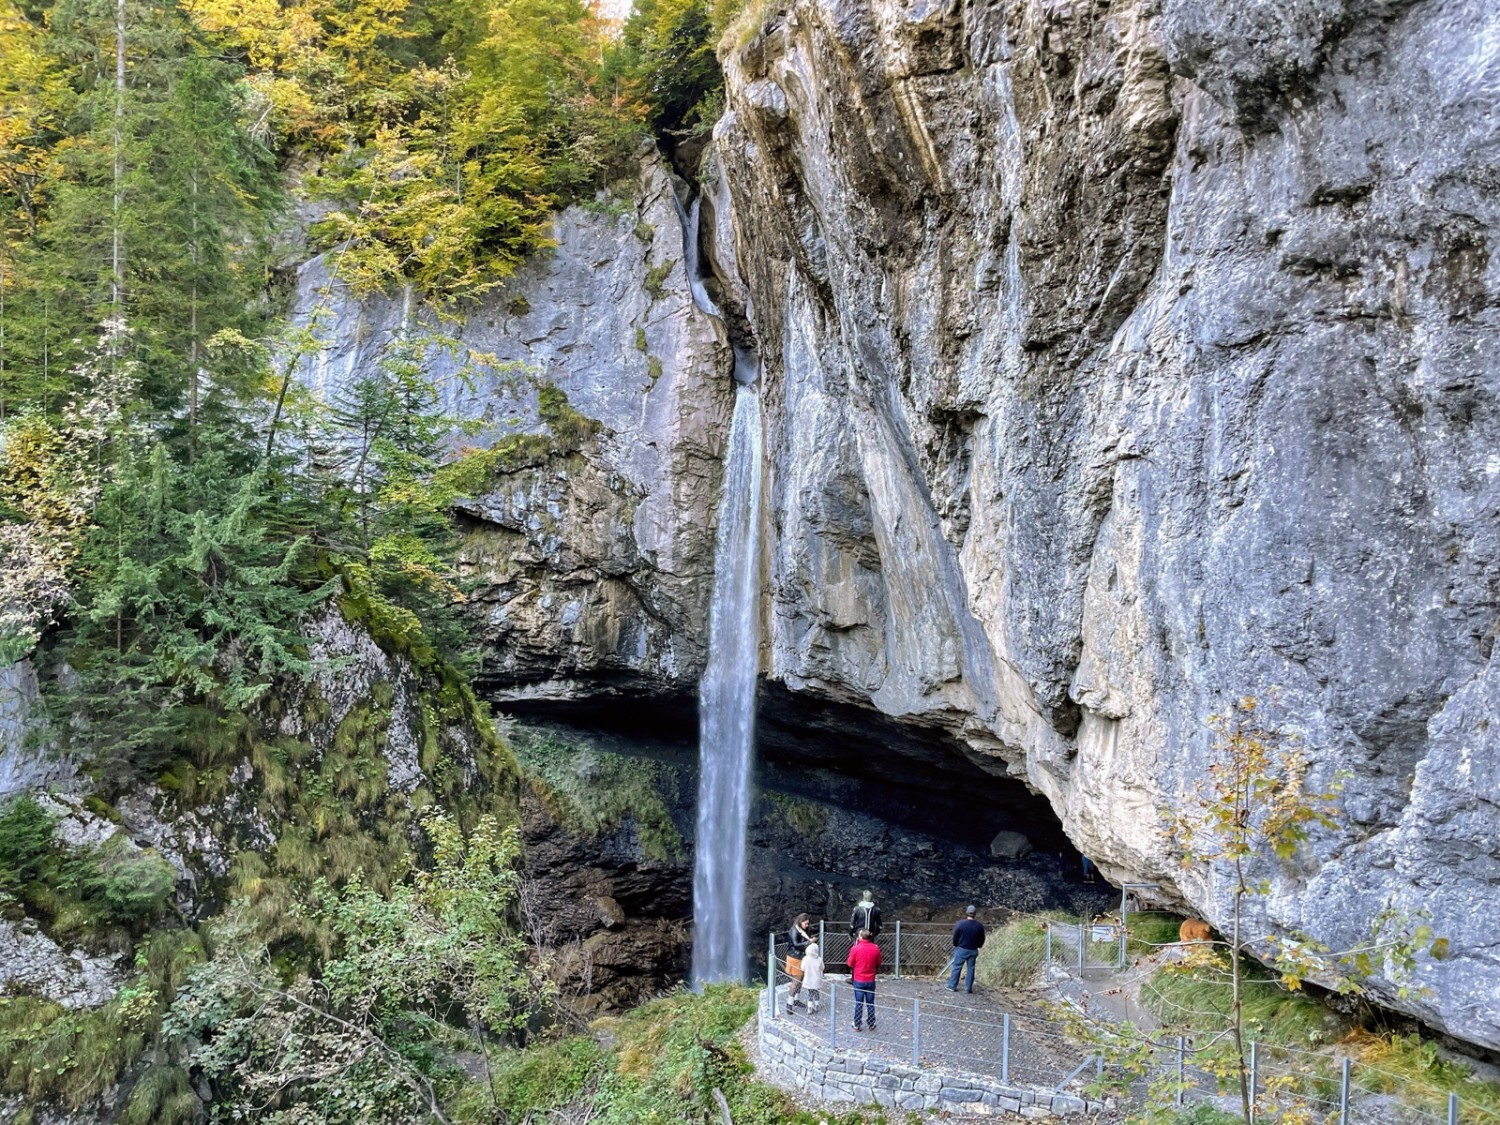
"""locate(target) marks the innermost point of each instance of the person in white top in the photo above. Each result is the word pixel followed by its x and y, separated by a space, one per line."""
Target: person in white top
pixel 812 977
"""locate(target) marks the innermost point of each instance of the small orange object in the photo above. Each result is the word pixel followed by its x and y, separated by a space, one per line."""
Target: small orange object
pixel 1194 929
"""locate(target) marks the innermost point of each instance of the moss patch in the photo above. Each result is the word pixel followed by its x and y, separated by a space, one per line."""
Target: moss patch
pixel 655 280
pixel 593 791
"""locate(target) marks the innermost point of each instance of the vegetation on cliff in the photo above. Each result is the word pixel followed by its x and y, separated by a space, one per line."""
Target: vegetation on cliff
pixel 184 528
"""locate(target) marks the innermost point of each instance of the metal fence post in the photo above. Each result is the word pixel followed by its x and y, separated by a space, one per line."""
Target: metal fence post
pixel 1005 1049
pixel 898 948
pixel 1344 1092
pixel 1182 1065
pixel 822 944
pixel 1254 1076
pixel 1049 943
pixel 1082 944
pixel 1452 1109
pixel 771 973
pixel 833 1021
pixel 916 1031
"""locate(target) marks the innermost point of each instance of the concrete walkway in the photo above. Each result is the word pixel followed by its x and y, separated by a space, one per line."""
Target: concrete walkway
pixel 919 1022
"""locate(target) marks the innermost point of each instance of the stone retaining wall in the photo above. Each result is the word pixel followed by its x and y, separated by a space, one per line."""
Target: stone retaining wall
pixel 793 1058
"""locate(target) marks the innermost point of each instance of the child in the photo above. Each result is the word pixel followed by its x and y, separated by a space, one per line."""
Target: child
pixel 812 977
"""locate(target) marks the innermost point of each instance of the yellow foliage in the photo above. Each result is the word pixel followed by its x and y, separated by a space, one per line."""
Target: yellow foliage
pixel 31 91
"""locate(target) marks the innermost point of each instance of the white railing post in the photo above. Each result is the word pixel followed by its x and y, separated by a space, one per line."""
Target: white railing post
pixel 822 944
pixel 1452 1109
pixel 1344 1092
pixel 1181 1066
pixel 833 1020
pixel 1124 915
pixel 1254 1075
pixel 898 948
pixel 1049 943
pixel 1083 939
pixel 771 972
pixel 1005 1049
pixel 916 1032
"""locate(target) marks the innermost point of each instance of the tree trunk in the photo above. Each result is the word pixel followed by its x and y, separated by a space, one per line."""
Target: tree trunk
pixel 1237 1014
pixel 117 251
pixel 193 334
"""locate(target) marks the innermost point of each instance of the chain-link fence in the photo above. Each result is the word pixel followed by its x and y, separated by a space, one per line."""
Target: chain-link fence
pixel 1282 1084
pixel 907 1018
pixel 1012 955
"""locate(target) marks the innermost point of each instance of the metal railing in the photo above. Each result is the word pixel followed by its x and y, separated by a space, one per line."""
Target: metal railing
pixel 928 1031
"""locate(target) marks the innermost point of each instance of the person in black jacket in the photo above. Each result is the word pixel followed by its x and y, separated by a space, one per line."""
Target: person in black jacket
pixel 866 916
pixel 798 938
pixel 968 939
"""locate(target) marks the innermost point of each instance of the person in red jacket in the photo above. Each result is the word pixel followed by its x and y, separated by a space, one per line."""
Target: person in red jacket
pixel 864 963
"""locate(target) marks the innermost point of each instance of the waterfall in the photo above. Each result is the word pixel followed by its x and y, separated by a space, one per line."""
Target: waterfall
pixel 726 697
pixel 726 708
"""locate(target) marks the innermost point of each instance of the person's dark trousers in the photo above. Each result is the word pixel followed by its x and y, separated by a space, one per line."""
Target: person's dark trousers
pixel 962 957
pixel 864 999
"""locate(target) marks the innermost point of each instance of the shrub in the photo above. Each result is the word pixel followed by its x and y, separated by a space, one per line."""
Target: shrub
pixel 546 1076
pixel 133 885
pixel 25 840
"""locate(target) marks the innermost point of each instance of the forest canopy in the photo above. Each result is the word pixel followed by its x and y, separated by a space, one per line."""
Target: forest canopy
pixel 168 494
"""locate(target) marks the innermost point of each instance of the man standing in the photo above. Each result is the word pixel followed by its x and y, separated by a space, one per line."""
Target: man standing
pixel 968 939
pixel 864 962
pixel 866 916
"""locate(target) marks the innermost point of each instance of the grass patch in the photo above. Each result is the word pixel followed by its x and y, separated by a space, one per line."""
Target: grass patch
pixel 642 345
pixel 1197 1003
pixel 1013 952
pixel 653 368
pixel 806 818
pixel 593 792
pixel 655 280
pixel 547 1076
pixel 672 1053
pixel 1150 930
pixel 1418 1072
pixel 661 1066
pixel 72 1056
pixel 570 429
pixel 739 21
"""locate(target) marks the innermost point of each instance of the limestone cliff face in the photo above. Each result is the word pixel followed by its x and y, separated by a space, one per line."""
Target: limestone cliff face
pixel 1124 357
pixel 593 560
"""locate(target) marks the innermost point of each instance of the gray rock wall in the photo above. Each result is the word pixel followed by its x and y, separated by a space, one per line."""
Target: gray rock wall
pixel 1123 358
pixel 592 565
pixel 26 758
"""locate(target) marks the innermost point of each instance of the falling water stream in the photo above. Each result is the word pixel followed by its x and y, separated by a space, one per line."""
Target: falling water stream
pixel 726 697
